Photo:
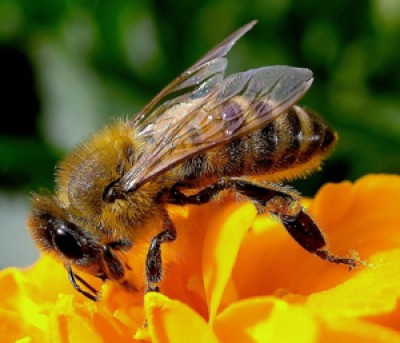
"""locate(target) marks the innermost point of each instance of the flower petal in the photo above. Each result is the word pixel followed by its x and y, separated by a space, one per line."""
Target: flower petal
pixel 265 319
pixel 373 291
pixel 367 216
pixel 221 245
pixel 172 321
pixel 355 331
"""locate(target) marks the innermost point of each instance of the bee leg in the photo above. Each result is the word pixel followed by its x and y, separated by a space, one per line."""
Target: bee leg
pixel 306 232
pixel 278 201
pixel 261 195
pixel 286 205
pixel 176 197
pixel 114 265
pixel 153 260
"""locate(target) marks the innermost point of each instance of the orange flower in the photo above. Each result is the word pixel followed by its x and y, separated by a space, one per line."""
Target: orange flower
pixel 233 276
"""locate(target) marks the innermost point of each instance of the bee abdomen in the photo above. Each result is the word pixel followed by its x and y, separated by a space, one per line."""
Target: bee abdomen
pixel 291 140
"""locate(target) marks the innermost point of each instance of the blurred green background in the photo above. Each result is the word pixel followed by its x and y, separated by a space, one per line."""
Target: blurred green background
pixel 68 66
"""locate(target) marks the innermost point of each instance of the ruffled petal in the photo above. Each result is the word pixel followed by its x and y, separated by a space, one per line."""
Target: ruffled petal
pixel 372 291
pixel 221 245
pixel 355 331
pixel 265 319
pixel 172 321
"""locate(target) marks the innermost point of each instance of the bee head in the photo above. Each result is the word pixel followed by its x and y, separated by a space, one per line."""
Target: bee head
pixel 76 246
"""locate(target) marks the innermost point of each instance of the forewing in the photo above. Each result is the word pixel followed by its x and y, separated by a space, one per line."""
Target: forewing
pixel 242 103
pixel 196 81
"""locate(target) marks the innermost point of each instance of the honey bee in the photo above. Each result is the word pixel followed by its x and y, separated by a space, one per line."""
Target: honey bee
pixel 201 135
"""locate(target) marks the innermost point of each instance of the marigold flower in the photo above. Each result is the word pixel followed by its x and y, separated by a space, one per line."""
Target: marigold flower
pixel 235 276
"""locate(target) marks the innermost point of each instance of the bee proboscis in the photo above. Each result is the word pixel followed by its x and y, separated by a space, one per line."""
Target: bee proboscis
pixel 202 132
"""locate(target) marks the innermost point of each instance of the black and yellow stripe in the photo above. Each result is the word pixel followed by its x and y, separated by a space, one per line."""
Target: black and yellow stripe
pixel 291 145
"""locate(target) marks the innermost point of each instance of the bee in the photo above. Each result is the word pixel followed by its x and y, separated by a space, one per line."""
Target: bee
pixel 202 135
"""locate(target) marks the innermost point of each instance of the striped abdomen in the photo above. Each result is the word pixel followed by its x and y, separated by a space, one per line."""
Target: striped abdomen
pixel 291 145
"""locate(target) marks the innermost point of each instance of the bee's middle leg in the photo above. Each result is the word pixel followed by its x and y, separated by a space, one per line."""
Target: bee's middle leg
pixel 278 201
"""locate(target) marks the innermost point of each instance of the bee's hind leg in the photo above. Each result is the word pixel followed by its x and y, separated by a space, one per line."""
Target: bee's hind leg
pixel 154 267
pixel 305 231
pixel 283 203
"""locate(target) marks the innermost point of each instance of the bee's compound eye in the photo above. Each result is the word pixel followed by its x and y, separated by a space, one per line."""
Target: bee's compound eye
pixel 67 244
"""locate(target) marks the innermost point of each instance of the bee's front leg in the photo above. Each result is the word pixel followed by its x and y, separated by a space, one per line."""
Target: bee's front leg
pixel 154 268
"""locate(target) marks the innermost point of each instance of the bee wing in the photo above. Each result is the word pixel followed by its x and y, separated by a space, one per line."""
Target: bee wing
pixel 198 80
pixel 238 105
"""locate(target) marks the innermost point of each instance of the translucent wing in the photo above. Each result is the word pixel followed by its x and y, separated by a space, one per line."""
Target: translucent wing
pixel 198 80
pixel 234 107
